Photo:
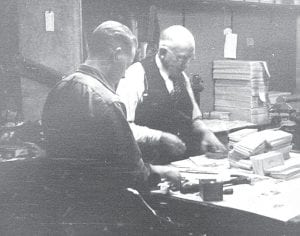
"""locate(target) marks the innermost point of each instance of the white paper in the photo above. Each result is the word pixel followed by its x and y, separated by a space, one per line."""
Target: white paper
pixel 49 20
pixel 268 197
pixel 230 46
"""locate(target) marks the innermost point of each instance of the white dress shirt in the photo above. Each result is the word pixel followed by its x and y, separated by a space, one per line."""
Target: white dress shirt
pixel 131 89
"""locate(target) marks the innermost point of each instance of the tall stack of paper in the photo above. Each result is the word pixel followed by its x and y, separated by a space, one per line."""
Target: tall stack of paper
pixel 241 89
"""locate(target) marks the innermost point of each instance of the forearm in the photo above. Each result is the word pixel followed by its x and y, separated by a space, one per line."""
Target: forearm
pixel 158 170
pixel 143 134
pixel 168 173
pixel 199 126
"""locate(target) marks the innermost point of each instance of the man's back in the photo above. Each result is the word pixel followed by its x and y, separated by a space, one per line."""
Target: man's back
pixel 74 118
pixel 84 120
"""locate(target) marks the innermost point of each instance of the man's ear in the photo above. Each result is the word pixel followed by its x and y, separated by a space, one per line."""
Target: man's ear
pixel 117 53
pixel 162 52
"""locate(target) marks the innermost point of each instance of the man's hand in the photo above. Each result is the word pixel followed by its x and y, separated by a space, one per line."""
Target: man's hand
pixel 168 173
pixel 210 143
pixel 172 144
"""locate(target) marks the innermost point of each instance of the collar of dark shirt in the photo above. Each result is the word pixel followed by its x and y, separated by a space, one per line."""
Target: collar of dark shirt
pixel 91 71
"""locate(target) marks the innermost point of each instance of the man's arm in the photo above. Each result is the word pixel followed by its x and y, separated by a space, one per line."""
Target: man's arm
pixel 130 90
pixel 196 110
pixel 210 141
pixel 127 156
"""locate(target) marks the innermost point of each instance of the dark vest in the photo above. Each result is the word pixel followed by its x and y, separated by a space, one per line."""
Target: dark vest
pixel 158 110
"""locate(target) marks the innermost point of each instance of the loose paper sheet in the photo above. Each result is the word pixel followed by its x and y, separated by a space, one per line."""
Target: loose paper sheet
pixel 230 46
pixel 49 20
pixel 268 197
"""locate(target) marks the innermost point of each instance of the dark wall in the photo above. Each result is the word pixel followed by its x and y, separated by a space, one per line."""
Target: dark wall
pixel 298 59
pixel 9 44
pixel 274 34
pixel 272 29
pixel 95 12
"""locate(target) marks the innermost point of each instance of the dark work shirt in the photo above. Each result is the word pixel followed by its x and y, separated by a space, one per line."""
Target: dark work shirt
pixel 83 119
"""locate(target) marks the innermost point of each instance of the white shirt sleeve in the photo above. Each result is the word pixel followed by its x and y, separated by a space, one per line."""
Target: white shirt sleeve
pixel 130 90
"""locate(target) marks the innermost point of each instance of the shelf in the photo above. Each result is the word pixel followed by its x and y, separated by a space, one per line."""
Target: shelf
pixel 264 4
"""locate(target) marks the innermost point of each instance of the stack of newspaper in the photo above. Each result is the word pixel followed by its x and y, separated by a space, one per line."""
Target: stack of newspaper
pixel 257 143
pixel 265 161
pixel 237 136
pixel 241 89
pixel 290 169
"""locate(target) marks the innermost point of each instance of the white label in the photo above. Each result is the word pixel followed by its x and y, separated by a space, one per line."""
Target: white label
pixel 49 20
pixel 230 46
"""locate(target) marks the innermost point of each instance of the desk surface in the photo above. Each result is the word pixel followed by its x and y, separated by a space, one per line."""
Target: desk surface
pixel 227 126
pixel 274 202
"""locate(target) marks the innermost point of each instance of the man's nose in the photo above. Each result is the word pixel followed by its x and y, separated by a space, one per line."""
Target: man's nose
pixel 183 66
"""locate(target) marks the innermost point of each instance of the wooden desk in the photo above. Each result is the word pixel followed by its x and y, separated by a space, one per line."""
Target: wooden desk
pixel 222 128
pixel 269 207
pixel 202 217
pixel 218 126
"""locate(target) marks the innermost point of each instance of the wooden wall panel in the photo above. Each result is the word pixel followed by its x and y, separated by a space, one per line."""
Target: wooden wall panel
pixel 61 49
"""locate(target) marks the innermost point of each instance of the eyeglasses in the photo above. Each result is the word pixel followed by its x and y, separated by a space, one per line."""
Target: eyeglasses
pixel 181 58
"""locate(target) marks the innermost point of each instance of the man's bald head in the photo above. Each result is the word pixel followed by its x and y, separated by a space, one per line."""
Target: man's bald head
pixel 177 36
pixel 176 48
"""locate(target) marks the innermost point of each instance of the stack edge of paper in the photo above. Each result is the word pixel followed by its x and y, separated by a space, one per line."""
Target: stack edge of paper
pixel 241 89
pixel 266 161
pixel 290 169
pixel 261 147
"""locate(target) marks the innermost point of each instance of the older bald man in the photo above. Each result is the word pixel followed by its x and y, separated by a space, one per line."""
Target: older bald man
pixel 161 107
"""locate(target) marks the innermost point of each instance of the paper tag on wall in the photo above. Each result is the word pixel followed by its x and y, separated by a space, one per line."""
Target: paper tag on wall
pixel 230 46
pixel 49 20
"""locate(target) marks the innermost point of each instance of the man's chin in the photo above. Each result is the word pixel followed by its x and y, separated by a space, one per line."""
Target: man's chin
pixel 174 72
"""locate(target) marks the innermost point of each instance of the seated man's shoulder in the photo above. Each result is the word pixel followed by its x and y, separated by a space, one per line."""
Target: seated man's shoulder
pixel 89 84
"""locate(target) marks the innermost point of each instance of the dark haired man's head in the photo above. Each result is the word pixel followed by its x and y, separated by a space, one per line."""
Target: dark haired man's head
pixel 113 46
pixel 109 35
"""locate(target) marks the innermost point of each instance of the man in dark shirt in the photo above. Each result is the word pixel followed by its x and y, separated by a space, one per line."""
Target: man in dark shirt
pixel 84 120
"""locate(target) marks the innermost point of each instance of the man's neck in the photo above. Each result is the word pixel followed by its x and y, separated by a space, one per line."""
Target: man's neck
pixel 103 67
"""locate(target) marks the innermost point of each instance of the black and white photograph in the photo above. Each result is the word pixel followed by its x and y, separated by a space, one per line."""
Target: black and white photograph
pixel 149 117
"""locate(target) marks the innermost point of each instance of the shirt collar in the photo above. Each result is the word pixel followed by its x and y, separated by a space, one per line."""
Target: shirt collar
pixel 164 73
pixel 91 71
pixel 162 70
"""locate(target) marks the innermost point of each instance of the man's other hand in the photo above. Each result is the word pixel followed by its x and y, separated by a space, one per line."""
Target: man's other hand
pixel 210 143
pixel 173 176
pixel 169 174
pixel 172 144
